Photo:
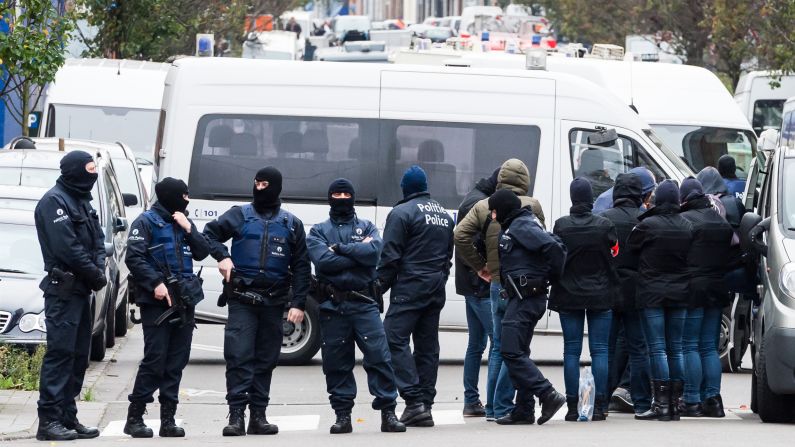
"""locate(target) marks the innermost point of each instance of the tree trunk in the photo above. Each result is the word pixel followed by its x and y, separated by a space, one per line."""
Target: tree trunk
pixel 24 97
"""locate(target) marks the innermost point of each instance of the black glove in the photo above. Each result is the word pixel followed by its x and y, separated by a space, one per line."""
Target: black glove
pixel 97 280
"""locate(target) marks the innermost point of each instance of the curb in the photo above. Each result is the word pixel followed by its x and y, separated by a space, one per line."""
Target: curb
pixel 93 373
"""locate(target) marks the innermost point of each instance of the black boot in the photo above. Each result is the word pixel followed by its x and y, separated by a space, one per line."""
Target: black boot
pixel 390 422
pixel 661 403
pixel 168 426
pixel 572 414
pixel 517 417
pixel 54 431
pixel 135 426
pixel 550 405
pixel 259 425
pixel 599 409
pixel 693 411
pixel 343 424
pixel 713 407
pixel 83 432
pixel 416 414
pixel 677 402
pixel 237 422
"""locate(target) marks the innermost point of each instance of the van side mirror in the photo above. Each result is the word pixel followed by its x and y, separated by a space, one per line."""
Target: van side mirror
pixel 119 225
pixel 109 248
pixel 130 199
pixel 755 237
pixel 603 137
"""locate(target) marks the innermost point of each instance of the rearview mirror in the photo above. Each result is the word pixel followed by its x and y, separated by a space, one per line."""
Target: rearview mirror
pixel 120 225
pixel 130 199
pixel 603 137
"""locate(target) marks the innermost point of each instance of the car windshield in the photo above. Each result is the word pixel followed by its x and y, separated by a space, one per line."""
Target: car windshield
pixel 135 127
pixel 19 249
pixel 702 146
pixel 767 114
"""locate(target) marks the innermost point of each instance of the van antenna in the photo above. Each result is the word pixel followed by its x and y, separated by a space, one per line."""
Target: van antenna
pixel 632 87
pixel 118 69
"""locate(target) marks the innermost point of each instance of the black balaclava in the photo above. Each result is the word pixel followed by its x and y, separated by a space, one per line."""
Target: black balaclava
pixel 580 192
pixel 170 193
pixel 341 209
pixel 505 202
pixel 268 197
pixel 74 175
pixel 667 194
pixel 727 166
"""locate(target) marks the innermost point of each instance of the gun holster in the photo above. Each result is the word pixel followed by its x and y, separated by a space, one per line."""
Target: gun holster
pixel 63 281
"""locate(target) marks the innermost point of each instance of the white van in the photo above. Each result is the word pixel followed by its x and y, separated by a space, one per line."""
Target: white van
pixel 761 103
pixel 688 107
pixel 107 100
pixel 223 121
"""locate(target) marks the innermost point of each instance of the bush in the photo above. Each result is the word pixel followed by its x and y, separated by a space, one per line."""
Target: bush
pixel 20 368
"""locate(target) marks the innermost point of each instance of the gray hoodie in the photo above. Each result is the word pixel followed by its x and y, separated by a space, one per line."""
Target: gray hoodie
pixel 712 182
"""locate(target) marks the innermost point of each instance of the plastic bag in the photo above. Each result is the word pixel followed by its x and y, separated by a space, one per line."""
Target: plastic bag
pixel 587 395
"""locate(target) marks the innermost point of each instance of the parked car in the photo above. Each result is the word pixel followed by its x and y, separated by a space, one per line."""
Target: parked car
pixel 26 174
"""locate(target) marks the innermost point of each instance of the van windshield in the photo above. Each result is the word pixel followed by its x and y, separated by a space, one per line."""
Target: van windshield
pixel 135 127
pixel 702 146
pixel 767 114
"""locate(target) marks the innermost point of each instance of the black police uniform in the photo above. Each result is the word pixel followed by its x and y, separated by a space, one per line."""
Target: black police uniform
pixel 270 256
pixel 531 258
pixel 157 247
pixel 349 311
pixel 72 242
pixel 415 265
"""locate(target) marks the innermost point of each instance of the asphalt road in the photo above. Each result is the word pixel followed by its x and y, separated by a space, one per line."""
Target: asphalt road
pixel 299 405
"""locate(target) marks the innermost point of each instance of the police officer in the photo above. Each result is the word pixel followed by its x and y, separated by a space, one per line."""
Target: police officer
pixel 530 258
pixel 345 250
pixel 72 245
pixel 415 264
pixel 161 246
pixel 269 257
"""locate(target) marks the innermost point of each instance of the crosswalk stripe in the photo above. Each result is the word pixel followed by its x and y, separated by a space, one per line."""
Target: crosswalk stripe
pixel 209 348
pixel 116 428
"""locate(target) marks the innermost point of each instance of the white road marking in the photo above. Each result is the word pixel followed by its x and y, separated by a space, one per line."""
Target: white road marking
pixel 192 392
pixel 448 417
pixel 208 348
pixel 116 428
pixel 306 422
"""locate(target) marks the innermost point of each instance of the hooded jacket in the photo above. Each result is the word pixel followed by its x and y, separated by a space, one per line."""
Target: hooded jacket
pixel 467 281
pixel 713 184
pixel 624 215
pixel 514 176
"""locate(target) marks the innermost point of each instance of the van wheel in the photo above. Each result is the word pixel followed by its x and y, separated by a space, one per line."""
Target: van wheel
pixel 754 392
pixel 122 316
pixel 772 407
pixel 727 361
pixel 110 317
pixel 301 342
pixel 98 346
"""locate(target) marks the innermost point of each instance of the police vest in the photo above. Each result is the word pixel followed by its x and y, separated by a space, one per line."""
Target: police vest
pixel 175 252
pixel 262 248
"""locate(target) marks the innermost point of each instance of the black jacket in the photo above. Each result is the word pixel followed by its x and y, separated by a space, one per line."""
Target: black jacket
pixel 710 254
pixel 352 266
pixel 231 222
pixel 139 241
pixel 662 239
pixel 70 236
pixel 418 247
pixel 467 281
pixel 589 277
pixel 528 253
pixel 624 216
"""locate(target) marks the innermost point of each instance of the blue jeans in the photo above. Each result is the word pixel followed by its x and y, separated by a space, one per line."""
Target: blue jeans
pixel 499 388
pixel 480 324
pixel 572 323
pixel 692 355
pixel 710 357
pixel 663 328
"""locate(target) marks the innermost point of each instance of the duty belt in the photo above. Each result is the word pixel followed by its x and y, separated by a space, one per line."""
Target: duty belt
pixel 526 287
pixel 339 295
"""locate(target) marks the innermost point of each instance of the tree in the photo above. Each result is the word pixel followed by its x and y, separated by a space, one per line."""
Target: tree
pixel 31 52
pixel 776 36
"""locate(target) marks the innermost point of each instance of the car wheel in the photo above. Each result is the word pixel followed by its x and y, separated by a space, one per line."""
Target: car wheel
pixel 122 316
pixel 724 342
pixel 98 346
pixel 302 341
pixel 110 318
pixel 772 407
pixel 754 391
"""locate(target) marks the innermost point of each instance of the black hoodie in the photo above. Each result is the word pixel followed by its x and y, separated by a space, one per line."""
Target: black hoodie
pixel 467 281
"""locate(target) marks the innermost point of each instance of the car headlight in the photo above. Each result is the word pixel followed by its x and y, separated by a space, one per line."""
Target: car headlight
pixel 32 322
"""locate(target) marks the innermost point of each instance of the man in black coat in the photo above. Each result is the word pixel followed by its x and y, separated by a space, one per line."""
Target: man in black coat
pixel 163 242
pixel 530 258
pixel 415 265
pixel 627 203
pixel 73 248
pixel 478 304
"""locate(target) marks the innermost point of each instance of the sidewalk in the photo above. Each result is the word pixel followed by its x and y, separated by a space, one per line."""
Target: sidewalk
pixel 19 418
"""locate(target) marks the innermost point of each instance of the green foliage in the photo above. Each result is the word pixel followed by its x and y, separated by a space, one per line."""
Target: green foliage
pixel 776 35
pixel 31 51
pixel 19 368
pixel 88 396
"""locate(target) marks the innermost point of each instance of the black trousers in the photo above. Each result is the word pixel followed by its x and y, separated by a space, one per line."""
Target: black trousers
pixel 521 317
pixel 252 343
pixel 343 327
pixel 64 366
pixel 416 372
pixel 618 356
pixel 166 354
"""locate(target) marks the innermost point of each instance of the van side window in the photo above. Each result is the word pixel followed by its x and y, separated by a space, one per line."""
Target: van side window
pixel 310 153
pixel 453 155
pixel 767 114
pixel 602 164
pixel 788 130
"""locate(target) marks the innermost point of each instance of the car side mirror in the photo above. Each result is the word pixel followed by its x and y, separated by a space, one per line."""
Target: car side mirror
pixel 130 199
pixel 120 225
pixel 109 248
pixel 755 236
